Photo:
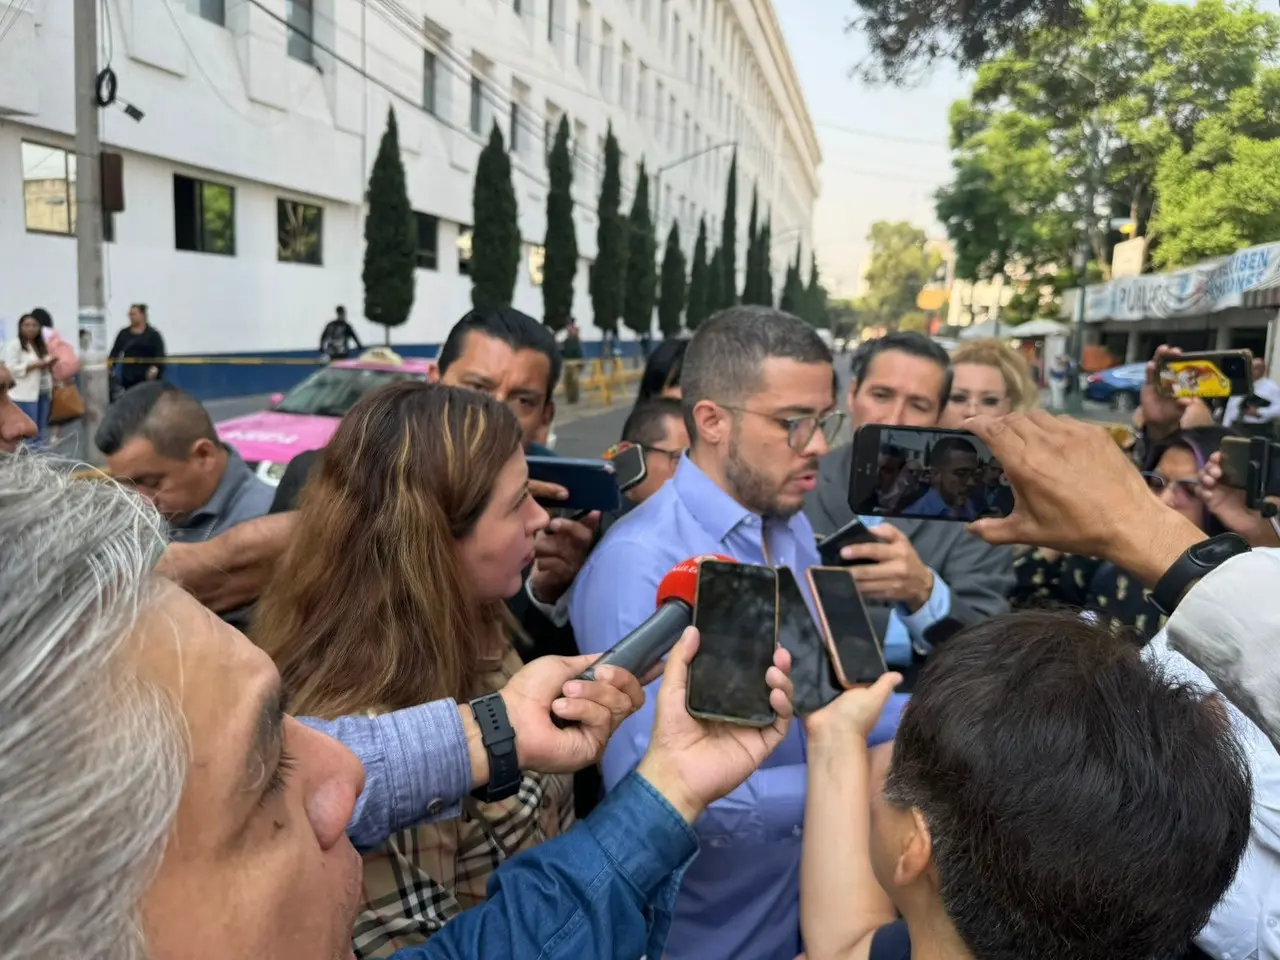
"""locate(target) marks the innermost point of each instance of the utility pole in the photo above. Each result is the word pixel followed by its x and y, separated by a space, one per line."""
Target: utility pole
pixel 92 313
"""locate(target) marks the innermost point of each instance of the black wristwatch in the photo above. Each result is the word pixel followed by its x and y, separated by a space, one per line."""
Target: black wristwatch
pixel 499 739
pixel 1196 561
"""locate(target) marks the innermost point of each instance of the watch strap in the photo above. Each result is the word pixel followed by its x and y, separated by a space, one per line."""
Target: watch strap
pixel 1196 561
pixel 499 740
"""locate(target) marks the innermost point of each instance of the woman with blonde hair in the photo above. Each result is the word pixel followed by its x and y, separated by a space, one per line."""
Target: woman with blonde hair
pixel 414 529
pixel 987 376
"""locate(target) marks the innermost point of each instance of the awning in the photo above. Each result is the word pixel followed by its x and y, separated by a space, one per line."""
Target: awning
pixel 1262 296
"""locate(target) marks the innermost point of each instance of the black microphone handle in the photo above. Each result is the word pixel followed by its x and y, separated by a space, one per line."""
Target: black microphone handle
pixel 641 650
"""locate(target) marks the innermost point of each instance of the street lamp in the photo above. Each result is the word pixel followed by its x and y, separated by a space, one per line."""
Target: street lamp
pixel 657 176
pixel 1079 260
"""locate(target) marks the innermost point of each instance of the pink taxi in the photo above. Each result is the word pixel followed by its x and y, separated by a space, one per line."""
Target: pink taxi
pixel 306 417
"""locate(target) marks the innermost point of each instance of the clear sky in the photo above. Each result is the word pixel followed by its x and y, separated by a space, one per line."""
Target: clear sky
pixel 890 176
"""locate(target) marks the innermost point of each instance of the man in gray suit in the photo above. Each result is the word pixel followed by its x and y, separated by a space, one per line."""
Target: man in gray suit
pixel 928 578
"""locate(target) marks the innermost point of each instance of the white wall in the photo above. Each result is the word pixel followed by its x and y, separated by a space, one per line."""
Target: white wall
pixel 226 104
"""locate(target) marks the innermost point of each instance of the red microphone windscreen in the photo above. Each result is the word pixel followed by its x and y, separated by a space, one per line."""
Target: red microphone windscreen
pixel 681 581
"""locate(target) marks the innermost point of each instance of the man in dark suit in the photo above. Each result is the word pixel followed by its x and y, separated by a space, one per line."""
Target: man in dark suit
pixel 923 566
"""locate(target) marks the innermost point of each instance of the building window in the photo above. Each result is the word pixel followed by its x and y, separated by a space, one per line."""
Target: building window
pixel 516 143
pixel 429 74
pixel 215 11
pixel 49 188
pixel 477 105
pixel 428 241
pixel 606 61
pixel 551 21
pixel 464 250
pixel 299 232
pixel 298 15
pixel 582 38
pixel 204 216
pixel 517 6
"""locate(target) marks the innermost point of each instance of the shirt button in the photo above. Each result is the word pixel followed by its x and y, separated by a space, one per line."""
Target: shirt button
pixel 1273 923
pixel 434 807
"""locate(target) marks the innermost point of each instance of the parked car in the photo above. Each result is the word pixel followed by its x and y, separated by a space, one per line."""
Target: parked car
pixel 1119 386
pixel 306 417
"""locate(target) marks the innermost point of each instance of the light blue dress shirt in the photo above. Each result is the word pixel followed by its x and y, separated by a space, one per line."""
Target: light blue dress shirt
pixel 906 629
pixel 741 898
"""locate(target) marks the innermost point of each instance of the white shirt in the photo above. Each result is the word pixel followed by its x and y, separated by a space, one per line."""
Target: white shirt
pixel 28 382
pixel 1227 611
pixel 1265 388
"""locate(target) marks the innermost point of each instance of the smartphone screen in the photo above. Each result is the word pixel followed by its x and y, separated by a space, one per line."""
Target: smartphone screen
pixel 592 484
pixel 630 467
pixel 1208 375
pixel 852 532
pixel 736 613
pixel 926 473
pixel 852 644
pixel 812 676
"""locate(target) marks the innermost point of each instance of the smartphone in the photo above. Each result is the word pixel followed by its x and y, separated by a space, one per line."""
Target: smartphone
pixel 592 484
pixel 813 679
pixel 926 473
pixel 1207 375
pixel 736 613
pixel 630 467
pixel 855 651
pixel 853 532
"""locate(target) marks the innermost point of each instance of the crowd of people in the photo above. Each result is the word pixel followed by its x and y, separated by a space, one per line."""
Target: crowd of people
pixel 317 721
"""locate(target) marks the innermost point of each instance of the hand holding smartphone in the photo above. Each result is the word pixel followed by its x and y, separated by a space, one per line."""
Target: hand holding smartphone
pixel 852 532
pixel 736 613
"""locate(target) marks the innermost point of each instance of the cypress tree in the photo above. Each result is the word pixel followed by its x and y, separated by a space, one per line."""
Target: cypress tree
pixel 815 296
pixel 751 275
pixel 699 280
pixel 764 264
pixel 672 301
pixel 561 264
pixel 793 288
pixel 390 237
pixel 609 270
pixel 728 281
pixel 495 240
pixel 642 273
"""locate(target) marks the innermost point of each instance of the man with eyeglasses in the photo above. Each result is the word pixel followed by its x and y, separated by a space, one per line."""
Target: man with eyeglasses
pixel 760 409
pixel 657 427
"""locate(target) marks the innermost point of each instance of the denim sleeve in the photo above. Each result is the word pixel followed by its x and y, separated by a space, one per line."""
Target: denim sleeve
pixel 416 767
pixel 606 888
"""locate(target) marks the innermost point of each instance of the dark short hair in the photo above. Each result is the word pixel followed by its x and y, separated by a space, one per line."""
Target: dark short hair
pixel 167 417
pixel 1082 804
pixel 647 424
pixel 724 359
pixel 903 341
pixel 951 445
pixel 41 314
pixel 517 330
pixel 663 368
pixel 140 307
pixel 342 311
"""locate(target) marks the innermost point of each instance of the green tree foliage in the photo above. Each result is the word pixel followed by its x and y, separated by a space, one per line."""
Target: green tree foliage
pixel 751 275
pixel 728 284
pixel 608 273
pixel 1074 127
pixel 561 264
pixel 390 237
pixel 815 298
pixel 716 293
pixel 793 287
pixel 1223 193
pixel 900 267
pixel 642 273
pixel 495 250
pixel 671 303
pixel 699 280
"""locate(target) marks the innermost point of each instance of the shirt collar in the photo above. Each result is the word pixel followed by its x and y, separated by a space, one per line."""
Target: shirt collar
pixel 236 474
pixel 718 512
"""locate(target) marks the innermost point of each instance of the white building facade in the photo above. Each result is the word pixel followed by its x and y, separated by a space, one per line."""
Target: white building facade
pixel 245 180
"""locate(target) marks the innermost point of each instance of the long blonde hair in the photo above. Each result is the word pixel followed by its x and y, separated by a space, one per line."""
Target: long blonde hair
pixel 370 608
pixel 1018 382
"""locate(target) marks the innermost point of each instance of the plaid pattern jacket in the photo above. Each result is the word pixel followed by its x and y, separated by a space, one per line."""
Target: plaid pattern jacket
pixel 421 878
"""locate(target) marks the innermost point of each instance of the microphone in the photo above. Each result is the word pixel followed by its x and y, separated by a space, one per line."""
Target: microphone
pixel 640 650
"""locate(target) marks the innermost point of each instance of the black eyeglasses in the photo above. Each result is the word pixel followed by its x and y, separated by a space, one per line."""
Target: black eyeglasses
pixel 672 455
pixel 1184 490
pixel 801 430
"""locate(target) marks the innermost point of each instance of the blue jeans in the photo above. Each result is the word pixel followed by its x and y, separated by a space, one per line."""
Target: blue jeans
pixel 38 411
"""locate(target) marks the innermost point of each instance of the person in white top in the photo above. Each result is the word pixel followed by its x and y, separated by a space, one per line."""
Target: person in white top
pixel 30 362
pixel 1265 389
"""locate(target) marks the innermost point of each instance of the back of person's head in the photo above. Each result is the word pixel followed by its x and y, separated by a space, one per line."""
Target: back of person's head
pixel 166 416
pixel 1020 386
pixel 370 607
pixel 647 423
pixel 92 755
pixel 342 312
pixel 662 371
pixel 517 330
pixel 725 358
pixel 903 341
pixel 1074 801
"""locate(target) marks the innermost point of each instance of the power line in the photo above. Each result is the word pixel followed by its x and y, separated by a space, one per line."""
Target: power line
pixel 872 134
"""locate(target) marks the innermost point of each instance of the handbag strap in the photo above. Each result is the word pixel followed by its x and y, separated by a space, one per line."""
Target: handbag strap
pixel 472 808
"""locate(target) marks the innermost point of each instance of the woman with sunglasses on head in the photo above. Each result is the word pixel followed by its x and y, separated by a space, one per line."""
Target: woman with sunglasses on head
pixel 1172 470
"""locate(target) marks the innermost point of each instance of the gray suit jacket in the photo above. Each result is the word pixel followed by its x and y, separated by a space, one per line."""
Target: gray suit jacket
pixel 980 576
